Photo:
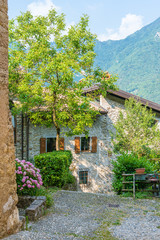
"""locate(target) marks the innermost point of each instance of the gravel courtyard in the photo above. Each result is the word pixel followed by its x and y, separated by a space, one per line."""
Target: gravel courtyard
pixel 89 216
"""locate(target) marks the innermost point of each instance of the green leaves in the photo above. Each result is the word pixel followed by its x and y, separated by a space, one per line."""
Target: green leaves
pixel 54 167
pixel 44 59
pixel 128 163
pixel 136 128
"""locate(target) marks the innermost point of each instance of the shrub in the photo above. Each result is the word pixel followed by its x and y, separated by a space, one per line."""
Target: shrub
pixel 54 167
pixel 28 178
pixel 48 194
pixel 128 163
pixel 154 157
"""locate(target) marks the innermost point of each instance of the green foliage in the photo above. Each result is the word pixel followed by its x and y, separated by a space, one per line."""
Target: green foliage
pixel 48 193
pixel 135 60
pixel 154 157
pixel 136 130
pixel 54 167
pixel 127 163
pixel 42 73
pixel 139 195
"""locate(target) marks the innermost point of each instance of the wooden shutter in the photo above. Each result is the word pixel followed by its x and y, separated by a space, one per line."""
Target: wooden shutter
pixel 94 144
pixel 61 144
pixel 42 145
pixel 77 144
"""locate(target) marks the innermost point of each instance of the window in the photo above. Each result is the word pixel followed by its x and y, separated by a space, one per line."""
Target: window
pixel 51 144
pixel 85 144
pixel 83 177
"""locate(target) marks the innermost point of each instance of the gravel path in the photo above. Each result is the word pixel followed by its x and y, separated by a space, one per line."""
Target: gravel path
pixel 88 216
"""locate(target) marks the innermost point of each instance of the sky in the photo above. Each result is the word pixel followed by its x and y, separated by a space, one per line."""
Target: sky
pixel 108 19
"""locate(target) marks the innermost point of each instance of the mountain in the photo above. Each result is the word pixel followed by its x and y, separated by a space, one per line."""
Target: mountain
pixel 136 60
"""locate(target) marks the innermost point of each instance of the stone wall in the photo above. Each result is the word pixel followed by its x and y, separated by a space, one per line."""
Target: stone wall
pixel 9 217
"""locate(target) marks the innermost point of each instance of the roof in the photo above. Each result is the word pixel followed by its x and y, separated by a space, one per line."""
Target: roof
pixel 145 102
pixel 125 95
pixel 98 107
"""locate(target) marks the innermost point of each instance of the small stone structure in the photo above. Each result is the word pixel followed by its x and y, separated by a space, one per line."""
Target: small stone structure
pixel 9 216
pixel 35 206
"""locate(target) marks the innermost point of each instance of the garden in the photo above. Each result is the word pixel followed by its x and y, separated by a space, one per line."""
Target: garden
pixel 37 182
pixel 136 144
pixel 145 170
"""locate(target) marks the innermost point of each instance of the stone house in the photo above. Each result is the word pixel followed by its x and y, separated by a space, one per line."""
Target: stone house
pixel 91 157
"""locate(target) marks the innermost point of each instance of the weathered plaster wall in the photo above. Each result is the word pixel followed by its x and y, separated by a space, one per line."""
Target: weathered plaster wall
pixel 9 217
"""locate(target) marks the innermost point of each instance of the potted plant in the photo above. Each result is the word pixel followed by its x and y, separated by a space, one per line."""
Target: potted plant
pixel 140 170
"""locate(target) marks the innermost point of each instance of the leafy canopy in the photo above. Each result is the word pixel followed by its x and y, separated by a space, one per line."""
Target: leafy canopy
pixel 136 129
pixel 44 60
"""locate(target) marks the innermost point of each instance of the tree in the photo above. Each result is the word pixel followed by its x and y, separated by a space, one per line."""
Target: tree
pixel 44 59
pixel 136 130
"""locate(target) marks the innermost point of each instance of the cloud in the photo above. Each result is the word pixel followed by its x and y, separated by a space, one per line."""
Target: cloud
pixel 41 7
pixel 129 24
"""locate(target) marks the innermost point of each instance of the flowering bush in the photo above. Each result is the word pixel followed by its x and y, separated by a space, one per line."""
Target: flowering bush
pixel 28 178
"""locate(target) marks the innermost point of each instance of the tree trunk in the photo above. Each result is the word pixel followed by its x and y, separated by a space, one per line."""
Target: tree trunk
pixel 57 130
pixel 58 139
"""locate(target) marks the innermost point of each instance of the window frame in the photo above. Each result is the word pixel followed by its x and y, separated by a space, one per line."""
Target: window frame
pixel 90 144
pixel 83 177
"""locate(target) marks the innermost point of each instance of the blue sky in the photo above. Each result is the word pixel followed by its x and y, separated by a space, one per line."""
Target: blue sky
pixel 109 19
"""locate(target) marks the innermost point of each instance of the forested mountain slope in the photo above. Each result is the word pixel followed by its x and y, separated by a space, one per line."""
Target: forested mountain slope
pixel 136 60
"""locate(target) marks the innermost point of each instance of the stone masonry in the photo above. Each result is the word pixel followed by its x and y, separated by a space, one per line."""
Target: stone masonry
pixel 9 216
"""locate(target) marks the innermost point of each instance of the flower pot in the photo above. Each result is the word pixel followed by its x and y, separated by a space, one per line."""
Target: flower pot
pixel 140 170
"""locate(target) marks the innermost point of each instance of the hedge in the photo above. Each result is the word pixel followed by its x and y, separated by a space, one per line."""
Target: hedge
pixel 54 167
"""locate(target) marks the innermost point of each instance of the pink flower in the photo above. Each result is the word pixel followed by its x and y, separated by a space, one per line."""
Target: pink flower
pixel 18 160
pixel 30 178
pixel 23 179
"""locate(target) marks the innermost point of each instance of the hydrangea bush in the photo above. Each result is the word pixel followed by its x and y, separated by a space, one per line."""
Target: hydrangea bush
pixel 28 178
